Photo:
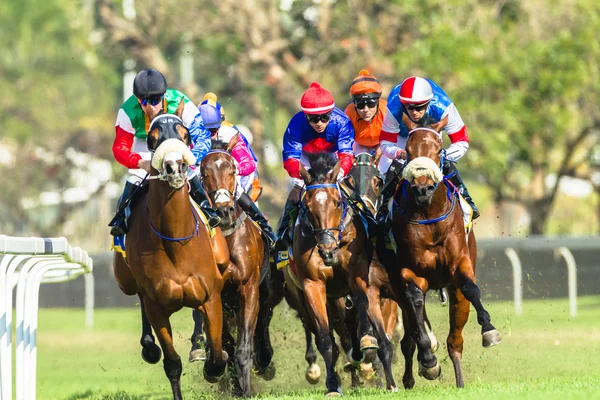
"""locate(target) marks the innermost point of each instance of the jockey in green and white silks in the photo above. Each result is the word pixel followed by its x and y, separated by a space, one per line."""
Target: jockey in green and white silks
pixel 150 98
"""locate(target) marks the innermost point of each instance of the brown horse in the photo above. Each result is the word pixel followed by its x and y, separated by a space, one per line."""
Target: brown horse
pixel 331 259
pixel 248 257
pixel 170 262
pixel 433 252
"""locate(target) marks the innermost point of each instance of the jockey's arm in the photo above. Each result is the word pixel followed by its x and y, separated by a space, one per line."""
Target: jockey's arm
pixel 245 161
pixel 457 132
pixel 391 143
pixel 124 134
pixel 292 151
pixel 345 144
pixel 200 136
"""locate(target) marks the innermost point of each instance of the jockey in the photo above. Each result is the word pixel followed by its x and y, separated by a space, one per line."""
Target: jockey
pixel 422 101
pixel 150 98
pixel 320 126
pixel 255 190
pixel 245 162
pixel 366 113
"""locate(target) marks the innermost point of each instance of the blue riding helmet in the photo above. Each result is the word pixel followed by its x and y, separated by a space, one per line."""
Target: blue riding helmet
pixel 211 116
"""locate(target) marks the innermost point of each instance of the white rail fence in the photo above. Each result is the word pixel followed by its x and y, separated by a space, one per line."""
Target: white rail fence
pixel 25 264
pixel 562 249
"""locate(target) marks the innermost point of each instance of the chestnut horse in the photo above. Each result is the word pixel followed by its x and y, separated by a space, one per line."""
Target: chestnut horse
pixel 331 259
pixel 170 262
pixel 248 257
pixel 433 252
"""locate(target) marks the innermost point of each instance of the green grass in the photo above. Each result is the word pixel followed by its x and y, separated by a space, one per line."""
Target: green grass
pixel 544 354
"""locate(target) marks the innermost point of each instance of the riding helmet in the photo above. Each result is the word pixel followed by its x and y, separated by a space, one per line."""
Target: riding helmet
pixel 316 100
pixel 415 90
pixel 365 86
pixel 148 83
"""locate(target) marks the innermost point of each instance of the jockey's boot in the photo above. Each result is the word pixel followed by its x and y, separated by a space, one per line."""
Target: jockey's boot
pixel 283 236
pixel 392 176
pixel 453 175
pixel 200 197
pixel 257 216
pixel 118 224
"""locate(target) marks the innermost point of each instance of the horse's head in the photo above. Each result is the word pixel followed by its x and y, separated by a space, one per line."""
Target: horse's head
pixel 322 204
pixel 365 178
pixel 169 141
pixel 219 178
pixel 423 156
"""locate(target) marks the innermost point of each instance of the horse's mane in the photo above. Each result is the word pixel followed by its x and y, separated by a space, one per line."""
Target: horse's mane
pixel 320 164
pixel 218 145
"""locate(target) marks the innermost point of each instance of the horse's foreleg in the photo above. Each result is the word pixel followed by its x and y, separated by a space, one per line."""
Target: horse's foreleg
pixel 368 342
pixel 459 314
pixel 314 293
pixel 385 351
pixel 150 351
pixel 429 366
pixel 159 320
pixel 338 316
pixel 464 279
pixel 246 325
pixel 408 346
pixel 198 352
pixel 214 367
pixel 263 350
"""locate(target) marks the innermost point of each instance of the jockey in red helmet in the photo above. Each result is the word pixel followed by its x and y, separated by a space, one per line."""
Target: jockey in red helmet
pixel 422 101
pixel 320 126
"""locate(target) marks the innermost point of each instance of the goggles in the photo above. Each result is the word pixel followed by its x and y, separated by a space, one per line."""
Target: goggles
pixel 315 118
pixel 416 107
pixel 153 100
pixel 371 103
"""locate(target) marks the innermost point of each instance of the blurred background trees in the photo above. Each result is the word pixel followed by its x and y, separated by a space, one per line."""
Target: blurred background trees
pixel 524 76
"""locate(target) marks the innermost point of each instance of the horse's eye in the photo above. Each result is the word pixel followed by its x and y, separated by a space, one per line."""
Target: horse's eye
pixel 338 203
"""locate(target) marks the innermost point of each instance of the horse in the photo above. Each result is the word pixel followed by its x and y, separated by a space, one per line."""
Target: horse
pixel 170 262
pixel 249 254
pixel 331 260
pixel 432 252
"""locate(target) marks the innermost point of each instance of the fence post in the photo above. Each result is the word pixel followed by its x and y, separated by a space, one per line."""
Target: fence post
pixel 517 279
pixel 571 278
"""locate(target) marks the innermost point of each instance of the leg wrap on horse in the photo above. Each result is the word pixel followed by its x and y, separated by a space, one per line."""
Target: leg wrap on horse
pixel 456 179
pixel 252 210
pixel 200 197
pixel 118 223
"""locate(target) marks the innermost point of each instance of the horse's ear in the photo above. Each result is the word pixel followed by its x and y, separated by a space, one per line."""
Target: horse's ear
pixel 333 173
pixel 304 174
pixel 152 139
pixel 377 183
pixel 377 156
pixel 232 142
pixel 440 125
pixel 179 111
pixel 409 124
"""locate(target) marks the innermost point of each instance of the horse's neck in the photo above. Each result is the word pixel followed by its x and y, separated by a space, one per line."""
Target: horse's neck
pixel 170 210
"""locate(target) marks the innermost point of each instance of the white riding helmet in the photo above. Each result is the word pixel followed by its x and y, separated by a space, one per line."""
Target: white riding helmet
pixel 415 90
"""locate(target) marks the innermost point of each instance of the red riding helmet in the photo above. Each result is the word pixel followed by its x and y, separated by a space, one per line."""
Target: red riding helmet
pixel 415 90
pixel 316 100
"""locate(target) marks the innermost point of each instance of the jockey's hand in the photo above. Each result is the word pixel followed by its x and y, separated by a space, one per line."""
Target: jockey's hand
pixel 400 154
pixel 144 164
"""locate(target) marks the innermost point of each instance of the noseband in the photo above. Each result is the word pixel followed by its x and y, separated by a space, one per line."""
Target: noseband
pixel 326 231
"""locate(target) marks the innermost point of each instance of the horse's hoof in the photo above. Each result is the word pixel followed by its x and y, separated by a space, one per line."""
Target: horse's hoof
pixel 349 367
pixel 313 374
pixel 394 389
pixel 151 353
pixel 197 355
pixel 430 373
pixel 267 373
pixel 491 338
pixel 368 342
pixel 337 393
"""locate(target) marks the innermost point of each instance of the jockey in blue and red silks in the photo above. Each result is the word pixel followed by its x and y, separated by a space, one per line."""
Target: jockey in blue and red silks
pixel 423 102
pixel 320 126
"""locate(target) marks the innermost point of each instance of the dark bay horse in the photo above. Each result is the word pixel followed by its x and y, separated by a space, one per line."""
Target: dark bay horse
pixel 170 262
pixel 248 255
pixel 331 261
pixel 433 252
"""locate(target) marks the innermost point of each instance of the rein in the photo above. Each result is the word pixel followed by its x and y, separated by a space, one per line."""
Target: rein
pixel 195 233
pixel 327 231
